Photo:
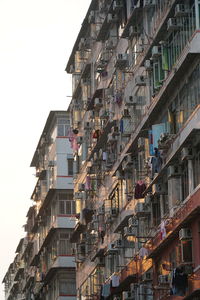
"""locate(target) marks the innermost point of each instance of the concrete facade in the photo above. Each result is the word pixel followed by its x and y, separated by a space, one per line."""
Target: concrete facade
pixel 44 266
pixel 135 115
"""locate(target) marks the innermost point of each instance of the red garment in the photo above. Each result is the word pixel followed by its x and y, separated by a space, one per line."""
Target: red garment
pixel 139 189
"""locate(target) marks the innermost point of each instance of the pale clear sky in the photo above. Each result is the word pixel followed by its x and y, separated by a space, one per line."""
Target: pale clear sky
pixel 36 39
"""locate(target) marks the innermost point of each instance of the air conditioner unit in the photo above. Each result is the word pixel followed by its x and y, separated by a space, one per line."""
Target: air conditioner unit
pixel 140 80
pixel 127 295
pixel 117 5
pixel 111 18
pixel 181 10
pixel 147 276
pixel 133 222
pixel 173 24
pixel 185 233
pixel 119 243
pixel 163 279
pixel 111 248
pixel 81 187
pixel 134 30
pixel 156 51
pixel 173 171
pixel 148 65
pixel 149 3
pixel 130 231
pixel 101 210
pixel 186 153
pixel 51 163
pixel 121 60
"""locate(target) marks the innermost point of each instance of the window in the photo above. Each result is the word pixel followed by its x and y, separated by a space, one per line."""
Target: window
pixel 66 207
pixel 186 251
pixel 67 284
pixel 70 162
pixel 67 287
pixel 63 127
pixel 65 247
pixel 196 166
pixel 185 180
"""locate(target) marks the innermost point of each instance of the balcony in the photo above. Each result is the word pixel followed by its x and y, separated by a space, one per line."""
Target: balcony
pixel 190 129
pixel 20 270
pixel 189 209
pixel 65 261
pixel 122 219
pixel 60 262
pixel 59 222
pixel 101 36
pixel 79 228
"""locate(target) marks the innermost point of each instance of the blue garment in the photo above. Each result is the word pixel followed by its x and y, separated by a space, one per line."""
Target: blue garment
pixel 121 126
pixel 106 290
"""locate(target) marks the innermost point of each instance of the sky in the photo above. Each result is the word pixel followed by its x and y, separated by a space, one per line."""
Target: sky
pixel 36 39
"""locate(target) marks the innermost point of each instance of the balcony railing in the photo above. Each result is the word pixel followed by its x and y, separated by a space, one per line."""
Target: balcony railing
pixel 190 207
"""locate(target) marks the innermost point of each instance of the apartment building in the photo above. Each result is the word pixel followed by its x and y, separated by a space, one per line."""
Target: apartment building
pixel 135 115
pixel 44 265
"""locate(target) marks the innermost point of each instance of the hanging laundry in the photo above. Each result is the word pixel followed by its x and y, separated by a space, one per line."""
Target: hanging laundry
pixel 106 290
pixel 179 282
pixel 157 130
pixel 143 252
pixel 115 280
pixel 163 232
pixel 104 156
pixel 139 189
pixel 73 139
pixel 88 183
pixel 156 162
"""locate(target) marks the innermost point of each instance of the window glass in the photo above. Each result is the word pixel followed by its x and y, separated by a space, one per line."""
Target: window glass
pixel 68 207
pixel 70 162
pixel 186 247
pixel 62 207
pixel 60 130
